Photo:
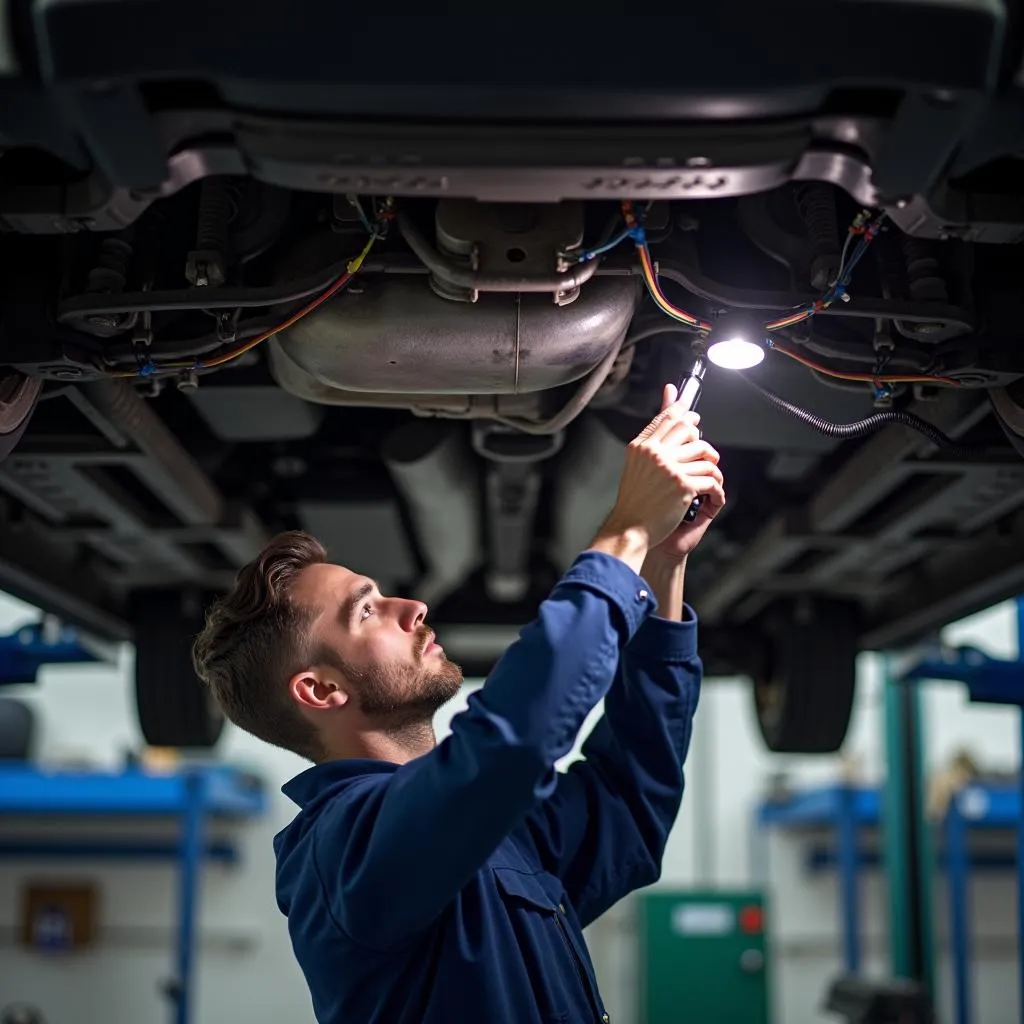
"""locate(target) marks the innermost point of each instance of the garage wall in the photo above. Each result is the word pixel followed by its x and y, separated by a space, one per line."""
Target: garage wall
pixel 247 971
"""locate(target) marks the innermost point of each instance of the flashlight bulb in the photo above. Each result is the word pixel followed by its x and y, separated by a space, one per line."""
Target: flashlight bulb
pixel 735 353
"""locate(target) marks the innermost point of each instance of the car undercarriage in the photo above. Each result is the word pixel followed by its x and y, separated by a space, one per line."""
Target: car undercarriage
pixel 418 306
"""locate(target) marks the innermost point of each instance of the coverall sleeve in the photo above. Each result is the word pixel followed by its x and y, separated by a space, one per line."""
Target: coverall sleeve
pixel 604 829
pixel 392 859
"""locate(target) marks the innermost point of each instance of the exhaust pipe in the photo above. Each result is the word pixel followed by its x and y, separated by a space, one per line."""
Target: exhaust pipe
pixel 511 494
pixel 584 496
pixel 432 468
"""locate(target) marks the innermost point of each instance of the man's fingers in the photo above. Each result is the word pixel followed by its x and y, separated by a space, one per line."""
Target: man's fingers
pixel 678 436
pixel 661 423
pixel 668 396
pixel 695 471
pixel 707 484
pixel 648 430
pixel 713 503
pixel 667 419
pixel 696 451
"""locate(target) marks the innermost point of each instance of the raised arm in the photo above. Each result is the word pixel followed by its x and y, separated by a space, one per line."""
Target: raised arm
pixel 604 830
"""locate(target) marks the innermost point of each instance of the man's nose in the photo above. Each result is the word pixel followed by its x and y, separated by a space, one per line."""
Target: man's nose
pixel 411 614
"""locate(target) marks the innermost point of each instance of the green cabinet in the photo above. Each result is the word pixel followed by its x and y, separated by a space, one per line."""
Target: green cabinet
pixel 703 957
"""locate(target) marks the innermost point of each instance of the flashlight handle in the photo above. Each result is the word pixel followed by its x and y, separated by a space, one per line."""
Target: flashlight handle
pixel 689 391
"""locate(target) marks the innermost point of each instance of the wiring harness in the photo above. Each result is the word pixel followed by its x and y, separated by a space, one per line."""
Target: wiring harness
pixel 864 228
pixel 377 230
pixel 859 236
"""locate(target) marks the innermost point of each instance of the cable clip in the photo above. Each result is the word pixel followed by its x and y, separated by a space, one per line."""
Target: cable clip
pixel 638 234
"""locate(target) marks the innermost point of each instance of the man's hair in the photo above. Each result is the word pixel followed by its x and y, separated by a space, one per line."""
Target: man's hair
pixel 256 638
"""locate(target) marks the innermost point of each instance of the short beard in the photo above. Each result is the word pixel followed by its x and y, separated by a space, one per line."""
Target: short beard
pixel 399 699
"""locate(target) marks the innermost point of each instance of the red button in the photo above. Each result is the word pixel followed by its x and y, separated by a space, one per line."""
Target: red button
pixel 751 919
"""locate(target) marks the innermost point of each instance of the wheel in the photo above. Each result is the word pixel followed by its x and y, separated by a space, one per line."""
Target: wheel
pixel 1008 407
pixel 805 678
pixel 174 708
pixel 18 397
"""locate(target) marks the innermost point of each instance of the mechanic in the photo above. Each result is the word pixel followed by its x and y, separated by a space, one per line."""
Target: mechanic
pixel 447 882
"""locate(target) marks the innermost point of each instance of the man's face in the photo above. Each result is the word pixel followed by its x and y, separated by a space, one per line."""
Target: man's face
pixel 381 645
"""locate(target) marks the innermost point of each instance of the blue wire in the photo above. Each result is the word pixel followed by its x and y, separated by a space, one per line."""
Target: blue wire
pixel 589 254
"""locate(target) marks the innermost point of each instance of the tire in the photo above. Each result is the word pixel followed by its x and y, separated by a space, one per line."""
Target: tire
pixel 174 708
pixel 804 684
pixel 1008 408
pixel 19 396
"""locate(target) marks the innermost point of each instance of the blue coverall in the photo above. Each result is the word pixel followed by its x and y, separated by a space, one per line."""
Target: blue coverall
pixel 455 888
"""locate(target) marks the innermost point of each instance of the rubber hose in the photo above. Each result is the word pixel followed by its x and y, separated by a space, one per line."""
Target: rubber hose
pixel 868 425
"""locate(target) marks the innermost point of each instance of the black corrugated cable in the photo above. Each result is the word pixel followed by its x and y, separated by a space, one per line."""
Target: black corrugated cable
pixel 868 425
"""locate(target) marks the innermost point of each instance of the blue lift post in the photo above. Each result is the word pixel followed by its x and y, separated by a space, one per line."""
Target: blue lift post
pixel 848 810
pixel 993 681
pixel 959 914
pixel 973 808
pixel 848 887
pixel 188 894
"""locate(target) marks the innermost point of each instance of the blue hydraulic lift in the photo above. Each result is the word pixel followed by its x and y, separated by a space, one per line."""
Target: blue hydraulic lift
pixel 851 810
pixel 989 681
pixel 192 796
pixel 48 642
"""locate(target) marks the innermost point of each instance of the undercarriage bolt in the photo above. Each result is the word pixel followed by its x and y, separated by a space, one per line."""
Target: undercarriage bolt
pixel 188 380
pixel 111 270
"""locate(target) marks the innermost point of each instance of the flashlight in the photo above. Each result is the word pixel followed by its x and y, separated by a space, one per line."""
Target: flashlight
pixel 689 391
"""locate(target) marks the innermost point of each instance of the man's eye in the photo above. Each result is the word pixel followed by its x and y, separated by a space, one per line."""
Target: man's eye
pixel 366 612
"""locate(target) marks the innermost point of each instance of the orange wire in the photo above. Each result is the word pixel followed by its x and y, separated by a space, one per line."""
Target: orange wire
pixel 204 364
pixel 867 377
pixel 298 315
pixel 654 287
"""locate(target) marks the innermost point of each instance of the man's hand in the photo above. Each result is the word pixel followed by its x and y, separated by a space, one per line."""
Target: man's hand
pixel 666 467
pixel 685 537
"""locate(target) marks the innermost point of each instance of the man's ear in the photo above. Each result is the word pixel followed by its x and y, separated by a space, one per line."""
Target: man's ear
pixel 318 688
